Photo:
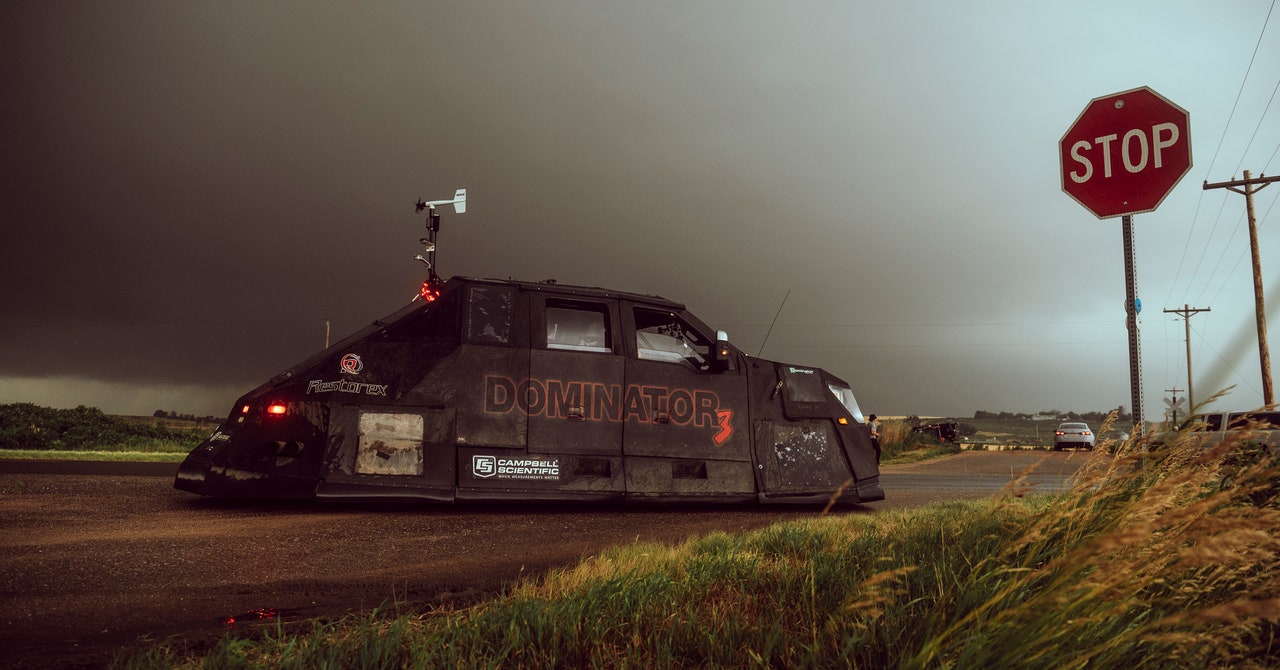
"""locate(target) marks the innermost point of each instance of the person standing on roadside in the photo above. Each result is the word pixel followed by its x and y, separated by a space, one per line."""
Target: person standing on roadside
pixel 874 427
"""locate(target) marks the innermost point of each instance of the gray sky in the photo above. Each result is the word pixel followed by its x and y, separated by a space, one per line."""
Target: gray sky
pixel 191 189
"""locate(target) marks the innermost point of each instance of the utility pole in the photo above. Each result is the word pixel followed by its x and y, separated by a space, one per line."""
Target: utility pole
pixel 1248 184
pixel 1173 406
pixel 1186 313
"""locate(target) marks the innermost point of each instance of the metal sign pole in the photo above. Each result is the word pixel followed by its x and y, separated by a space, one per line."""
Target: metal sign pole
pixel 1132 307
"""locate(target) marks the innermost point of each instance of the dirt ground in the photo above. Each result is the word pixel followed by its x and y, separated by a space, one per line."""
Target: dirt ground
pixel 91 564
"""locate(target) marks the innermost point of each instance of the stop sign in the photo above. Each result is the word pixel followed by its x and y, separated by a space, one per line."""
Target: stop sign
pixel 1125 152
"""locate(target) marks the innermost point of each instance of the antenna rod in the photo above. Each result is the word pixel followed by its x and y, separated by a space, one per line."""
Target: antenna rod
pixel 775 320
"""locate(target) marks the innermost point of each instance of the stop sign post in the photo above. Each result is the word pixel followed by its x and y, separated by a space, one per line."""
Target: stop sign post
pixel 1121 157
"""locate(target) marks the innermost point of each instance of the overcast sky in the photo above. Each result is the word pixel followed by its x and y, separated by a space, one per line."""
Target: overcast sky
pixel 192 189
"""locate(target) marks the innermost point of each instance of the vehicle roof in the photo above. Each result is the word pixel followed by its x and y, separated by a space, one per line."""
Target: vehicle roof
pixel 552 286
pixel 1073 423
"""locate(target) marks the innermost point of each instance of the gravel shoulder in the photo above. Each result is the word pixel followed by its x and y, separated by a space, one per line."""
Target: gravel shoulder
pixel 93 563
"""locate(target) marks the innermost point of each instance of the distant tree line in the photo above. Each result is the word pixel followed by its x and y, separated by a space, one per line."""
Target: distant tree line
pixel 27 426
pixel 170 414
pixel 1057 415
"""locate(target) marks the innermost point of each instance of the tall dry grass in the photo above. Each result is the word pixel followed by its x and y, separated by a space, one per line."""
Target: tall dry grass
pixel 1153 559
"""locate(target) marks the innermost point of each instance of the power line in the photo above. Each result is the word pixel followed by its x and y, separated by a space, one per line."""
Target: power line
pixel 1241 91
pixel 1257 127
pixel 938 324
pixel 1196 215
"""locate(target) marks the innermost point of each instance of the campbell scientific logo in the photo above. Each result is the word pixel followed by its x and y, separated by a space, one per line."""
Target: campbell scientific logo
pixel 484 466
pixel 536 469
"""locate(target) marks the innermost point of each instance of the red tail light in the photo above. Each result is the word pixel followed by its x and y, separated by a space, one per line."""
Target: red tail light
pixel 277 409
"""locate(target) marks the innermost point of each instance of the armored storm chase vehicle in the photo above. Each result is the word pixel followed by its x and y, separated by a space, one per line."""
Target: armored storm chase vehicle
pixel 508 390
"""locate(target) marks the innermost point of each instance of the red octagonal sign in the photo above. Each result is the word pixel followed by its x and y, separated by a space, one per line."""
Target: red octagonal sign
pixel 1125 152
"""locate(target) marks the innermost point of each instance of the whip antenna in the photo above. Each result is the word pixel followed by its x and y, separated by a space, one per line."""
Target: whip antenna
pixel 775 320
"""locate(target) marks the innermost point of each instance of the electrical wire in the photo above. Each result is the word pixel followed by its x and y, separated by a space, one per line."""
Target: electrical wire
pixel 1257 127
pixel 1239 93
pixel 1195 216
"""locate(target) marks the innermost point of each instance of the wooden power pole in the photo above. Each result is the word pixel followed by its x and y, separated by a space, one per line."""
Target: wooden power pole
pixel 1186 313
pixel 1247 187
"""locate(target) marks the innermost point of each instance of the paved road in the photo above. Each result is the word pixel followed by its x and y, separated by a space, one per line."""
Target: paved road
pixel 90 562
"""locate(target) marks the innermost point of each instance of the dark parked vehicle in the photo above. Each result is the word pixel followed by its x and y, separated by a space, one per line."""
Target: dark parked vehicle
pixel 508 390
pixel 1260 426
pixel 943 431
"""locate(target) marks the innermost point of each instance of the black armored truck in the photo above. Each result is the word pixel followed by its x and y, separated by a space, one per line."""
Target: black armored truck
pixel 508 390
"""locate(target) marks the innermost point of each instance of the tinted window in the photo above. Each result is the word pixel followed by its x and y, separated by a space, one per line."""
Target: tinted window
pixel 1259 420
pixel 489 314
pixel 804 384
pixel 577 326
pixel 664 336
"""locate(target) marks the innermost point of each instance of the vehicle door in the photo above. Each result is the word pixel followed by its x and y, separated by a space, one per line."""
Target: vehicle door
pixel 574 392
pixel 685 423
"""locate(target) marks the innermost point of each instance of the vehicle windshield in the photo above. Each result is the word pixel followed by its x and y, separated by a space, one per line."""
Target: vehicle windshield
pixel 844 395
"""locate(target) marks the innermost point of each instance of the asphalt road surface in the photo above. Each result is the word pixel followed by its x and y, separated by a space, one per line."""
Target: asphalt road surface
pixel 98 557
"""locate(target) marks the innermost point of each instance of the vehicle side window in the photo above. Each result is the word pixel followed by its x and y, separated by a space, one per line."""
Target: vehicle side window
pixel 489 315
pixel 576 326
pixel 664 336
pixel 1262 420
pixel 803 384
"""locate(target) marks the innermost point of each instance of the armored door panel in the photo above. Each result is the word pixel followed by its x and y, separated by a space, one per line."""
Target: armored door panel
pixel 688 477
pixel 409 447
pixel 574 402
pixel 671 410
pixel 484 383
pixel 800 456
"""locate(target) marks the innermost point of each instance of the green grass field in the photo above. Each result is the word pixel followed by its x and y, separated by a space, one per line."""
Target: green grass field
pixel 1150 561
pixel 1153 560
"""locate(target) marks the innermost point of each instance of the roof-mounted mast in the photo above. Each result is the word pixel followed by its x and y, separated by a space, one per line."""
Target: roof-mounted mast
pixel 429 291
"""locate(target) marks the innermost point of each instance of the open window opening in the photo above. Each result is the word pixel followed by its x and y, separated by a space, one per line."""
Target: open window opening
pixel 575 326
pixel 664 336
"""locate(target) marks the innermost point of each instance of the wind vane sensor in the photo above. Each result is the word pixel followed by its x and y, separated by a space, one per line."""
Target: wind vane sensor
pixel 430 288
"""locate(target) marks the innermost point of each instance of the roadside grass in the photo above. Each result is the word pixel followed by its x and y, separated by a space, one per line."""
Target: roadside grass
pixel 1149 561
pixel 86 433
pixel 899 445
pixel 159 456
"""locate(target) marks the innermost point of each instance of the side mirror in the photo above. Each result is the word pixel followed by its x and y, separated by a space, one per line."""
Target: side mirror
pixel 721 355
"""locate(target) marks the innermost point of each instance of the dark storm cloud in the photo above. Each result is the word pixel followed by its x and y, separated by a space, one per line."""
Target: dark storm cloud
pixel 190 190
